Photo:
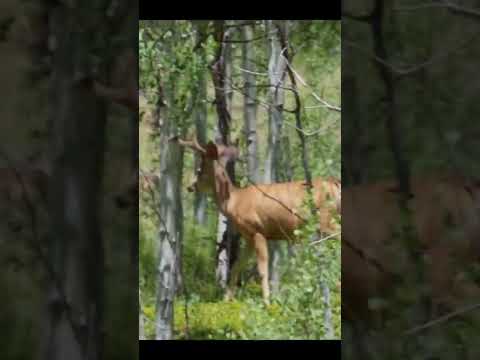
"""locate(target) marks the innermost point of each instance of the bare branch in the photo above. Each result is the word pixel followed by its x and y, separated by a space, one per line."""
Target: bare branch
pixel 442 319
pixel 408 70
pixel 311 133
pixel 420 6
pixel 251 72
pixel 361 18
pixel 192 144
pixel 325 238
pixel 446 4
pixel 325 103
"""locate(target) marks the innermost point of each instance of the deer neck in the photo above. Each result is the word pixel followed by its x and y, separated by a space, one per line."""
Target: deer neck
pixel 224 189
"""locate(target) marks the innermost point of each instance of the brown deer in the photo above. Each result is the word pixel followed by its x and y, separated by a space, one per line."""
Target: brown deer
pixel 446 219
pixel 261 213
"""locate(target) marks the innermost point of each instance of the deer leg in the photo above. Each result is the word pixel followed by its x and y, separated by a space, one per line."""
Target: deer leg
pixel 237 268
pixel 261 250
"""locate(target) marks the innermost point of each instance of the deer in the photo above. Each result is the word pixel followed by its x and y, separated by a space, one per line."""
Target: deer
pixel 260 212
pixel 445 214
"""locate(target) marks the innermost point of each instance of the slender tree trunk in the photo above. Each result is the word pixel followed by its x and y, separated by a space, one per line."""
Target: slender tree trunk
pixel 141 320
pixel 170 233
pixel 200 201
pixel 288 176
pixel 250 105
pixel 350 148
pixel 401 163
pixel 75 300
pixel 308 176
pixel 227 237
pixel 171 226
pixel 276 74
pixel 232 235
pixel 223 241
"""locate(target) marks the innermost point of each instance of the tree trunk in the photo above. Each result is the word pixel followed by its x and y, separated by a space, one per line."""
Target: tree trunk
pixel 134 211
pixel 352 150
pixel 250 105
pixel 75 299
pixel 171 215
pixel 227 238
pixel 287 175
pixel 171 231
pixel 200 201
pixel 276 75
pixel 141 320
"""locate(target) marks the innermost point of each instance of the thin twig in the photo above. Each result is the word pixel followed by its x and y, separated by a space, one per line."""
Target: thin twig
pixel 325 238
pixel 442 319
pixel 250 72
pixel 408 70
pixel 318 98
pixel 446 4
pixel 419 6
pixel 276 200
pixel 311 133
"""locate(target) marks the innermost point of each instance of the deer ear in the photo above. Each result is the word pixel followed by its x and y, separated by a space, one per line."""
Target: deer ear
pixel 211 151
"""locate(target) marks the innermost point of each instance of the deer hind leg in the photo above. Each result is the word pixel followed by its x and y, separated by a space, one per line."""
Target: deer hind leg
pixel 237 268
pixel 261 250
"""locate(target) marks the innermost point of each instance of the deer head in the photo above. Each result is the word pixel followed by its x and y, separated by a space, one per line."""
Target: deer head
pixel 213 159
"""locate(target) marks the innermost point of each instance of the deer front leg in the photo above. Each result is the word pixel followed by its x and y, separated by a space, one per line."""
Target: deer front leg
pixel 261 250
pixel 237 268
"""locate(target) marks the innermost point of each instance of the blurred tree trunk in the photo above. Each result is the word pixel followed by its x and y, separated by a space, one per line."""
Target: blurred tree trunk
pixel 76 253
pixel 134 210
pixel 276 75
pixel 141 320
pixel 250 104
pixel 288 176
pixel 200 201
pixel 351 149
pixel 227 238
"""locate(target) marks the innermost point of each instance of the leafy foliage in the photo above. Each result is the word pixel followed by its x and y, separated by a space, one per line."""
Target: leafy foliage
pixel 298 310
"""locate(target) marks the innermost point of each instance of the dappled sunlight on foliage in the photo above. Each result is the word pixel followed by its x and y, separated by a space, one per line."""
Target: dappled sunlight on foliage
pixel 308 270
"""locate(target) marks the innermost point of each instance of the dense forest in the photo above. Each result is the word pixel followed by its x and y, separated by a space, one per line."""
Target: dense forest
pixel 410 187
pixel 68 228
pixel 264 98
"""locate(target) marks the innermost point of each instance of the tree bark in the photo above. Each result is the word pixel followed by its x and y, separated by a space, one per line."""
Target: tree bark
pixel 171 226
pixel 200 201
pixel 170 208
pixel 227 238
pixel 249 104
pixel 75 298
pixel 276 75
pixel 141 320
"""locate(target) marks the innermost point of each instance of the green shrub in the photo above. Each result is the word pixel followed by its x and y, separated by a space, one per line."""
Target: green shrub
pixel 221 320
